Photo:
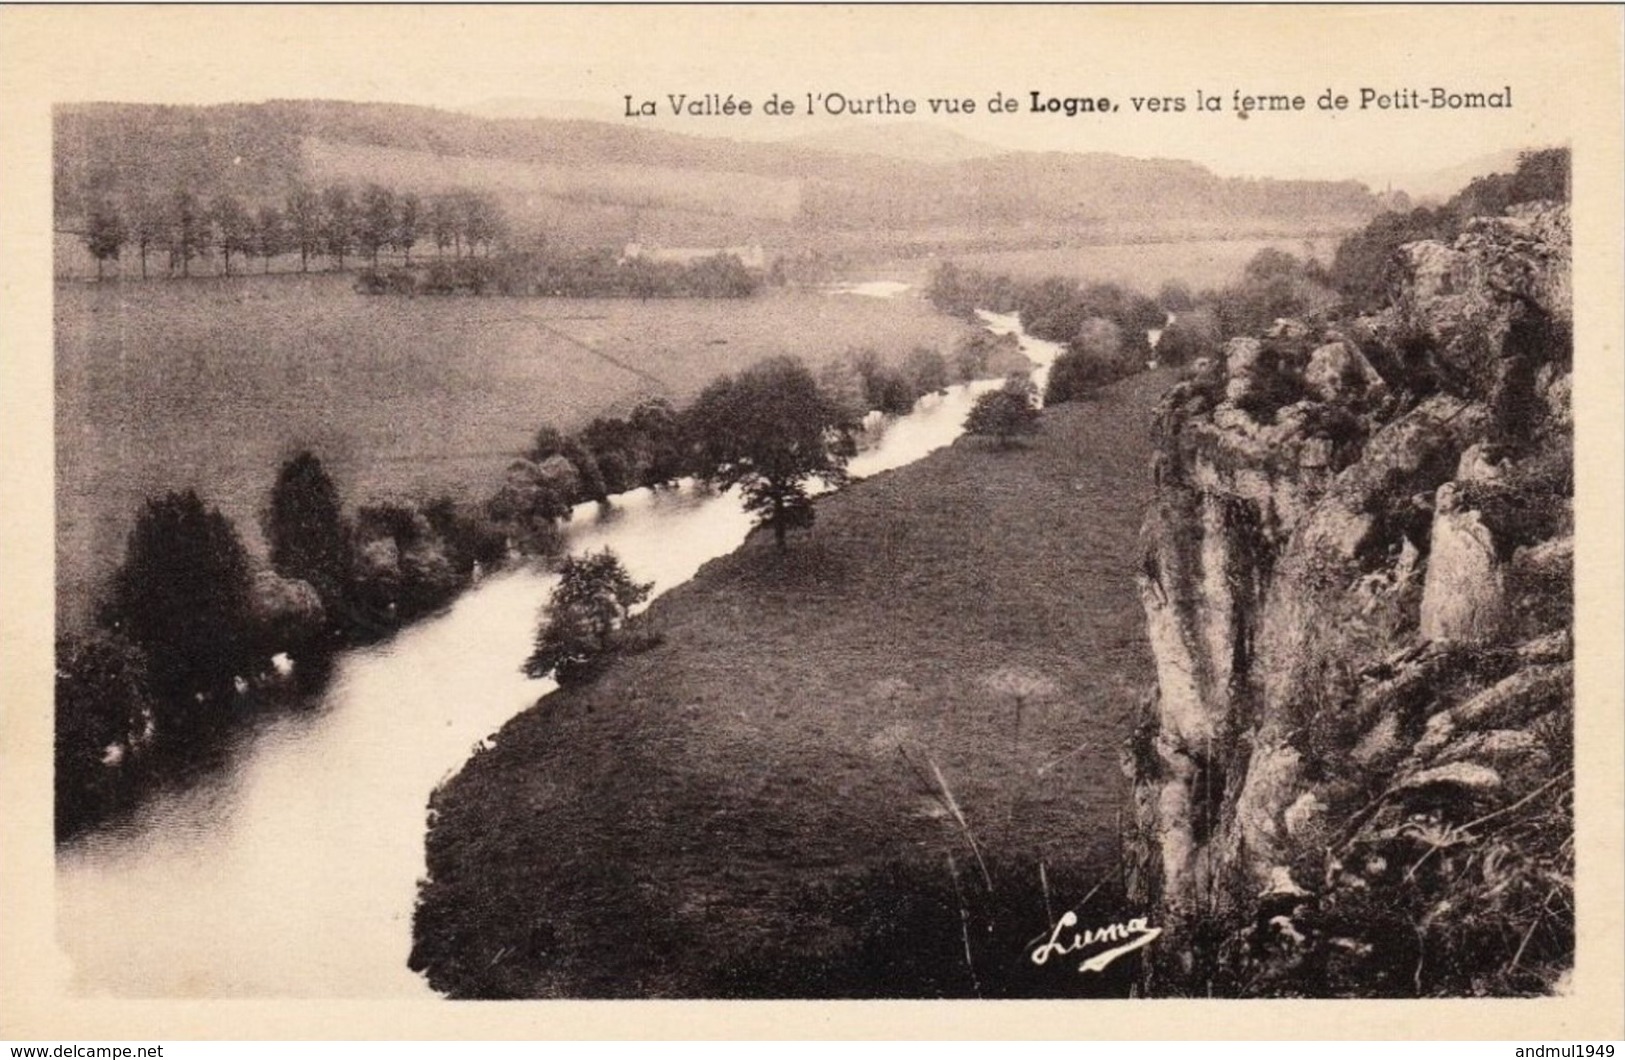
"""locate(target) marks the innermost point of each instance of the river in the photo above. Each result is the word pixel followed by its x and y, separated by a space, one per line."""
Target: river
pixel 293 871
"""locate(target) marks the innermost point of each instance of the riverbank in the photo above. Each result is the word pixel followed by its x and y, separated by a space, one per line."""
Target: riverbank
pixel 767 803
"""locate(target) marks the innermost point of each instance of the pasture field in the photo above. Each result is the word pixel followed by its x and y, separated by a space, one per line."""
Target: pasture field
pixel 211 382
pixel 754 806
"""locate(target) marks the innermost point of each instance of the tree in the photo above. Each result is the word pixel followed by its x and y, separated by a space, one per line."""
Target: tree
pixel 1129 311
pixel 548 441
pixel 592 485
pixel 288 617
pixel 526 506
pixel 1007 413
pixel 769 432
pixel 843 388
pixel 716 276
pixel 1095 357
pixel 338 223
pixel 1274 285
pixel 304 211
pixel 1053 308
pixel 589 480
pixel 306 530
pixel 188 230
pixel 562 478
pixel 1270 262
pixel 376 224
pixel 1540 174
pixel 148 227
pixel 482 221
pixel 584 618
pixel 408 223
pixel 975 353
pixel 402 568
pixel 660 443
pixel 182 597
pixel 615 448
pixel 270 235
pixel 105 234
pixel 949 291
pixel 471 540
pixel 443 224
pixel 233 228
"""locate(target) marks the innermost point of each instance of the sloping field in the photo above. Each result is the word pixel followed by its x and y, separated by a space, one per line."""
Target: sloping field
pixel 425 171
pixel 752 808
pixel 211 382
pixel 589 205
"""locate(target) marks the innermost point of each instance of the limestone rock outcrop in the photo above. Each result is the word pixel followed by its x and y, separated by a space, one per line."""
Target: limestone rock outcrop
pixel 1358 589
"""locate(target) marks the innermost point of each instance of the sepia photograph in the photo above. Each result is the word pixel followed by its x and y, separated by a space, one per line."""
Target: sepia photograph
pixel 813 504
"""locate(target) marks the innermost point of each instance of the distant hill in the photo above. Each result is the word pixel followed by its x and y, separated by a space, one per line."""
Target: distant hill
pixel 910 141
pixel 1439 184
pixel 525 107
pixel 602 182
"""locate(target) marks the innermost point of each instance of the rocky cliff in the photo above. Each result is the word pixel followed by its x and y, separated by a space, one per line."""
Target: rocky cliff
pixel 1354 775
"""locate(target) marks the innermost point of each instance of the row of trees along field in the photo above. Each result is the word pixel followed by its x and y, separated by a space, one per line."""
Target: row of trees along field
pixel 780 429
pixel 764 430
pixel 192 632
pixel 567 273
pixel 1104 327
pixel 336 223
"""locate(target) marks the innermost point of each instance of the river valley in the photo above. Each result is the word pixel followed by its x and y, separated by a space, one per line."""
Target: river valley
pixel 293 870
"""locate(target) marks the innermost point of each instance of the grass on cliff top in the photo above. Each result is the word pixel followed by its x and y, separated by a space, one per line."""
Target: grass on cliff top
pixel 756 806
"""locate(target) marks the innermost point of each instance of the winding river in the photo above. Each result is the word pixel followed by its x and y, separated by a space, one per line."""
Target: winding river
pixel 293 872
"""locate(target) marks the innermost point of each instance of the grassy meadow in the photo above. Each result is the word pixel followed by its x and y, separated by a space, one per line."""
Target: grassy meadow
pixel 211 382
pixel 751 808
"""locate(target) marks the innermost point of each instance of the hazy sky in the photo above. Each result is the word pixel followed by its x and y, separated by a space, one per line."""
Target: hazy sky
pixel 459 56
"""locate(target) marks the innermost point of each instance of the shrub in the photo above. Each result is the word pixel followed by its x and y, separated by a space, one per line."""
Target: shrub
pixel 884 388
pixel 1277 381
pixel 972 356
pixel 927 370
pixel 103 711
pixel 402 568
pixel 1274 285
pixel 525 508
pixel 1005 414
pixel 1175 296
pixel 1194 334
pixel 1095 357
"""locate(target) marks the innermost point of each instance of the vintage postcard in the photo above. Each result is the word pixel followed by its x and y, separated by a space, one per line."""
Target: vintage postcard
pixel 868 511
